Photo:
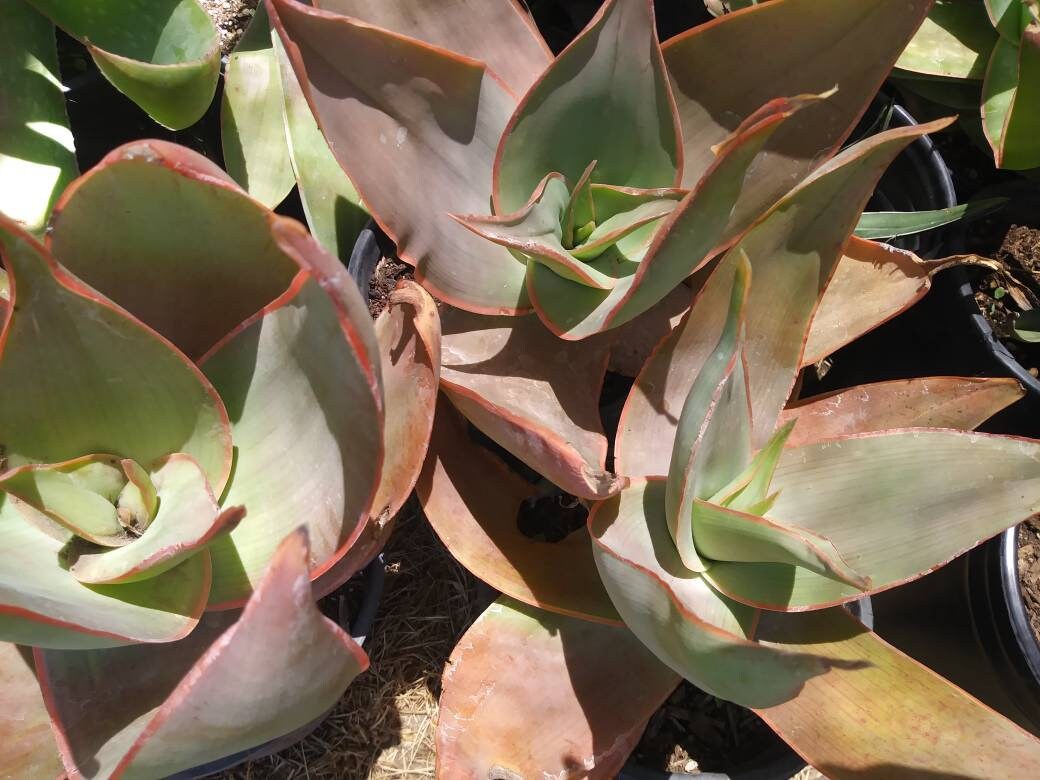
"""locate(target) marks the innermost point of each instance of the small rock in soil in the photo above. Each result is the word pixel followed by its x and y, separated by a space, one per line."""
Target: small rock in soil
pixel 232 17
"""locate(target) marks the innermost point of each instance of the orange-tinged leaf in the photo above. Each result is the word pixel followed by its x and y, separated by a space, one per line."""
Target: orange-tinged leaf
pixel 879 713
pixel 471 499
pixel 28 748
pixel 961 403
pixel 532 694
pixel 500 33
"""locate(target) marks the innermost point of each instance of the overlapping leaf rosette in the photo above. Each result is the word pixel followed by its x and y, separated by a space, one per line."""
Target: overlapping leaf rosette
pixel 197 420
pixel 681 214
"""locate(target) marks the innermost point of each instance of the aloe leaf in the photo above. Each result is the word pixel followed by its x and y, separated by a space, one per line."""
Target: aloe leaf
pixel 751 487
pixel 713 438
pixel 619 226
pixel 896 505
pixel 252 128
pixel 402 138
pixel 43 605
pixel 306 415
pixel 580 693
pixel 1009 17
pixel 409 336
pixel 28 748
pixel 184 249
pixel 545 413
pixel 892 224
pixel 699 633
pixel 954 41
pixel 471 498
pixel 78 494
pixel 188 519
pixel 334 211
pixel 162 54
pixel 192 707
pixel 726 534
pixel 961 403
pixel 1010 94
pixel 536 230
pixel 697 229
pixel 64 368
pixel 877 707
pixel 38 157
pixel 871 283
pixel 611 75
pixel 498 32
pixel 718 83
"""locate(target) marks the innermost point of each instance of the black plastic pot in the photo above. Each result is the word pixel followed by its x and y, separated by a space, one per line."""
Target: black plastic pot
pixel 359 626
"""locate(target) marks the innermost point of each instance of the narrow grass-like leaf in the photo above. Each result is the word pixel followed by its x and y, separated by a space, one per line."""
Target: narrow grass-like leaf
pixel 892 224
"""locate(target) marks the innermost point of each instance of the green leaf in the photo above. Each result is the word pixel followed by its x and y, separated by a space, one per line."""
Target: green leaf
pixel 252 128
pixel 605 98
pixel 713 438
pixel 892 224
pixel 1027 326
pixel 728 535
pixel 471 498
pixel 188 520
pixel 306 415
pixel 579 693
pixel 616 227
pixel 162 54
pixel 37 155
pixel 184 249
pixel 1010 95
pixel 894 504
pixel 79 375
pixel 498 32
pixel 954 41
pixel 1010 17
pixel 334 211
pixel 717 71
pixel 192 705
pixel 78 494
pixel 417 152
pixel 751 487
pixel 42 604
pixel 699 633
pixel 697 229
pixel 880 711
pixel 536 231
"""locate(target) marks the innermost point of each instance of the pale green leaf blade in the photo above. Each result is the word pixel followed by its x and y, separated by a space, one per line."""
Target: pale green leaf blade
pixel 694 630
pixel 892 224
pixel 162 54
pixel 895 505
pixel 68 387
pixel 37 154
pixel 252 128
pixel 954 41
pixel 611 77
pixel 1010 95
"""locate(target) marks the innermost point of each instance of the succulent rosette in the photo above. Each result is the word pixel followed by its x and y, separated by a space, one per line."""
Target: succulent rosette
pixel 682 214
pixel 198 419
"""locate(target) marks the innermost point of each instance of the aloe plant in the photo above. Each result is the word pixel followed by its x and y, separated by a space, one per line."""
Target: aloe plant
pixel 983 53
pixel 202 431
pixel 593 210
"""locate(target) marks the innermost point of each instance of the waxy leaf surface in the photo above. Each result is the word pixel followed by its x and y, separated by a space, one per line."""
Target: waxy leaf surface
pixel 28 748
pixel 537 694
pixel 197 700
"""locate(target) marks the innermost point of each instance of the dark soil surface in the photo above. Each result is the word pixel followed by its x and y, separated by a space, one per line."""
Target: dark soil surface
pixel 696 732
pixel 1029 570
pixel 384 279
